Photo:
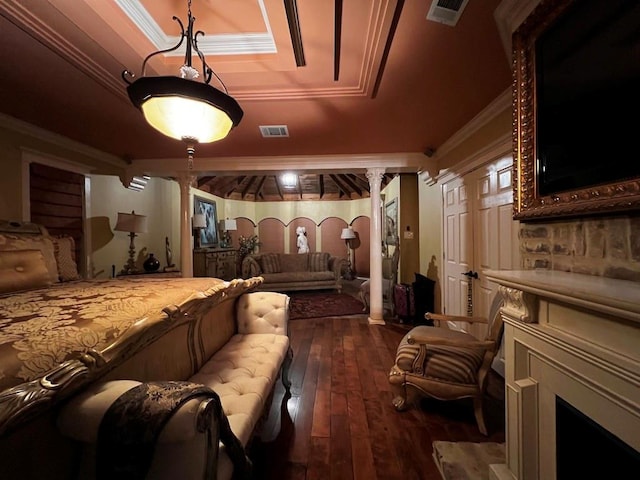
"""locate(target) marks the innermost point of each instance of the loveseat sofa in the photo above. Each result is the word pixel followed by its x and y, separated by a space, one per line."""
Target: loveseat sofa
pixel 73 349
pixel 295 271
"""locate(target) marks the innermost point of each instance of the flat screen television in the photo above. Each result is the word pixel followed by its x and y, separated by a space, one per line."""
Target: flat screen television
pixel 587 90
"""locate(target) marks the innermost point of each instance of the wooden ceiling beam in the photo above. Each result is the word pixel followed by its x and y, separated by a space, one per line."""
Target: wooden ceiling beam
pixel 278 186
pixel 231 185
pixel 245 190
pixel 260 186
pixel 343 190
pixel 299 183
pixel 353 185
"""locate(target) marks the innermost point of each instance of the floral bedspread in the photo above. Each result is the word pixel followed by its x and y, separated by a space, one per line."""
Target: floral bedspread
pixel 40 328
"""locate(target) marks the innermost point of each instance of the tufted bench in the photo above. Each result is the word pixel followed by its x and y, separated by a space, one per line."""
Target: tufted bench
pixel 242 366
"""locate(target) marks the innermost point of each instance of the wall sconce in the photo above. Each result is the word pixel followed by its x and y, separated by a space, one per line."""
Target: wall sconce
pixel 198 222
pixel 347 235
pixel 132 223
pixel 227 226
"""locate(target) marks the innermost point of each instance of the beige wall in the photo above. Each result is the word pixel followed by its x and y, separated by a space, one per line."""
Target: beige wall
pixel 159 201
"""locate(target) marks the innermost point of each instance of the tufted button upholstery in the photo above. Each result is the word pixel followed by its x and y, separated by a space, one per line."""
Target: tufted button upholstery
pixel 263 312
pixel 243 373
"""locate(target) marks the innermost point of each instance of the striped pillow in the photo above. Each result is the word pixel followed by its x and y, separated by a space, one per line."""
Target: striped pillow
pixel 270 263
pixel 319 261
pixel 64 248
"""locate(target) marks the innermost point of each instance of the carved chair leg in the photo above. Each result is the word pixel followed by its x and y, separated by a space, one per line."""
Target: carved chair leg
pixel 286 365
pixel 363 298
pixel 479 413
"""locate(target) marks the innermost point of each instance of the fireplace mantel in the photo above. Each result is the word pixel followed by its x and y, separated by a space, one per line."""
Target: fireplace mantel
pixel 571 336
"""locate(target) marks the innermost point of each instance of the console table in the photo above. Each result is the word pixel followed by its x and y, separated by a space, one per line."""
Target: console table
pixel 215 262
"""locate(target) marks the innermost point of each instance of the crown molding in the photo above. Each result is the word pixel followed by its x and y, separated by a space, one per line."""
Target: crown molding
pixel 24 128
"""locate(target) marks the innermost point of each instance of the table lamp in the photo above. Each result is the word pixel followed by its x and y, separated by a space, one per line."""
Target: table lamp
pixel 227 226
pixel 347 235
pixel 132 223
pixel 199 223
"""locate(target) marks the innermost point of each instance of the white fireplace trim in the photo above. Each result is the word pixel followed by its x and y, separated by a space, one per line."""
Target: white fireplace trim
pixel 573 336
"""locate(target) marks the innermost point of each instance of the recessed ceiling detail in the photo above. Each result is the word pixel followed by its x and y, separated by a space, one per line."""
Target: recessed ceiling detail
pixel 209 44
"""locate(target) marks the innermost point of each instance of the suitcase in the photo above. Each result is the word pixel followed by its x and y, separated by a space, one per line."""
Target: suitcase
pixel 403 301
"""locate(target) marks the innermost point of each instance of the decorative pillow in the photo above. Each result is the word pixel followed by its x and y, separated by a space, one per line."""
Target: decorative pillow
pixel 65 253
pixel 270 263
pixel 22 270
pixel 319 261
pixel 35 242
pixel 251 268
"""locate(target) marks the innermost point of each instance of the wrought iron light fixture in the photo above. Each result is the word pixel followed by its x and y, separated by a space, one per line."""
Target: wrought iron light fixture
pixel 183 107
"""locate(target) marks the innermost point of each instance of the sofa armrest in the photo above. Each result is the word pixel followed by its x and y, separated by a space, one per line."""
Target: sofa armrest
pixel 263 312
pixel 336 264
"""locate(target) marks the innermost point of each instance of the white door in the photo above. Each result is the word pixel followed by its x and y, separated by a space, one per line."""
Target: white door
pixel 458 241
pixel 479 234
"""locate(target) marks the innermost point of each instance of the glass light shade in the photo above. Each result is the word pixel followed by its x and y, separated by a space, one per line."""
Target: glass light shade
pixel 178 117
pixel 185 109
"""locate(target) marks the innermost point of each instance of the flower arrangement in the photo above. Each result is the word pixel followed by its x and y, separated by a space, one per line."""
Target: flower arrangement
pixel 247 246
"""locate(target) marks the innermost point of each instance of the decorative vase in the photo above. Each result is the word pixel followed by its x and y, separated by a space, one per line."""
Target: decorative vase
pixel 151 264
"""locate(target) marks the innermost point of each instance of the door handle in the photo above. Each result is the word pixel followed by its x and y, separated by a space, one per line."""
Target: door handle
pixel 471 274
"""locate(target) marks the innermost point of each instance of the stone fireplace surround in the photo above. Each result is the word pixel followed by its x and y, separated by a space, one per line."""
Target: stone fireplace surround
pixel 571 336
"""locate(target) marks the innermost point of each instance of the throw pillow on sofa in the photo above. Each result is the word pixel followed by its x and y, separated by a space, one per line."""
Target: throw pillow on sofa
pixel 251 268
pixel 319 261
pixel 270 263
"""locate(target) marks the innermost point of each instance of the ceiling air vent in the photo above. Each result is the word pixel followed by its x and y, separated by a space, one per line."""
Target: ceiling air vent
pixel 274 130
pixel 446 11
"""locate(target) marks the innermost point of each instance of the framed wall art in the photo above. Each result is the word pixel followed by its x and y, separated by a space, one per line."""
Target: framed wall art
pixel 576 76
pixel 208 234
pixel 391 222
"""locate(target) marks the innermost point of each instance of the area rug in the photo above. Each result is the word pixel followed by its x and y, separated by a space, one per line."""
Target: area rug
pixel 467 460
pixel 322 304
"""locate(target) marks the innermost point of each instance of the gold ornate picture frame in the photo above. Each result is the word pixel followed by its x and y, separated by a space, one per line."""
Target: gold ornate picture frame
pixel 613 197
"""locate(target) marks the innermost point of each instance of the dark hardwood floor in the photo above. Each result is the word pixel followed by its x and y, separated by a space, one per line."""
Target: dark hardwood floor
pixel 339 423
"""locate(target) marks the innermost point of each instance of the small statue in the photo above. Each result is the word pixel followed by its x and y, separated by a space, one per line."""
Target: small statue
pixel 170 266
pixel 303 243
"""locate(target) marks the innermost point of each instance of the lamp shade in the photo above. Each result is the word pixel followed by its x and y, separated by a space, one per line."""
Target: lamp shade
pixel 185 109
pixel 131 222
pixel 199 220
pixel 347 233
pixel 229 225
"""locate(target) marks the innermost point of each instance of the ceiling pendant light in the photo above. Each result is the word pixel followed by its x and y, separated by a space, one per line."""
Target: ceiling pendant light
pixel 183 107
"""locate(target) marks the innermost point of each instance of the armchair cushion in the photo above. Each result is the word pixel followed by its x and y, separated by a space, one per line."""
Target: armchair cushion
pixel 454 364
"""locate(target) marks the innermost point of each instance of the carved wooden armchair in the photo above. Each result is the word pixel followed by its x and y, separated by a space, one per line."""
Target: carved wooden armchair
pixel 446 364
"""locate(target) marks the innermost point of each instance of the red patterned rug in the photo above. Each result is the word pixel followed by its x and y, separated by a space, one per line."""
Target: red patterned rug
pixel 322 304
